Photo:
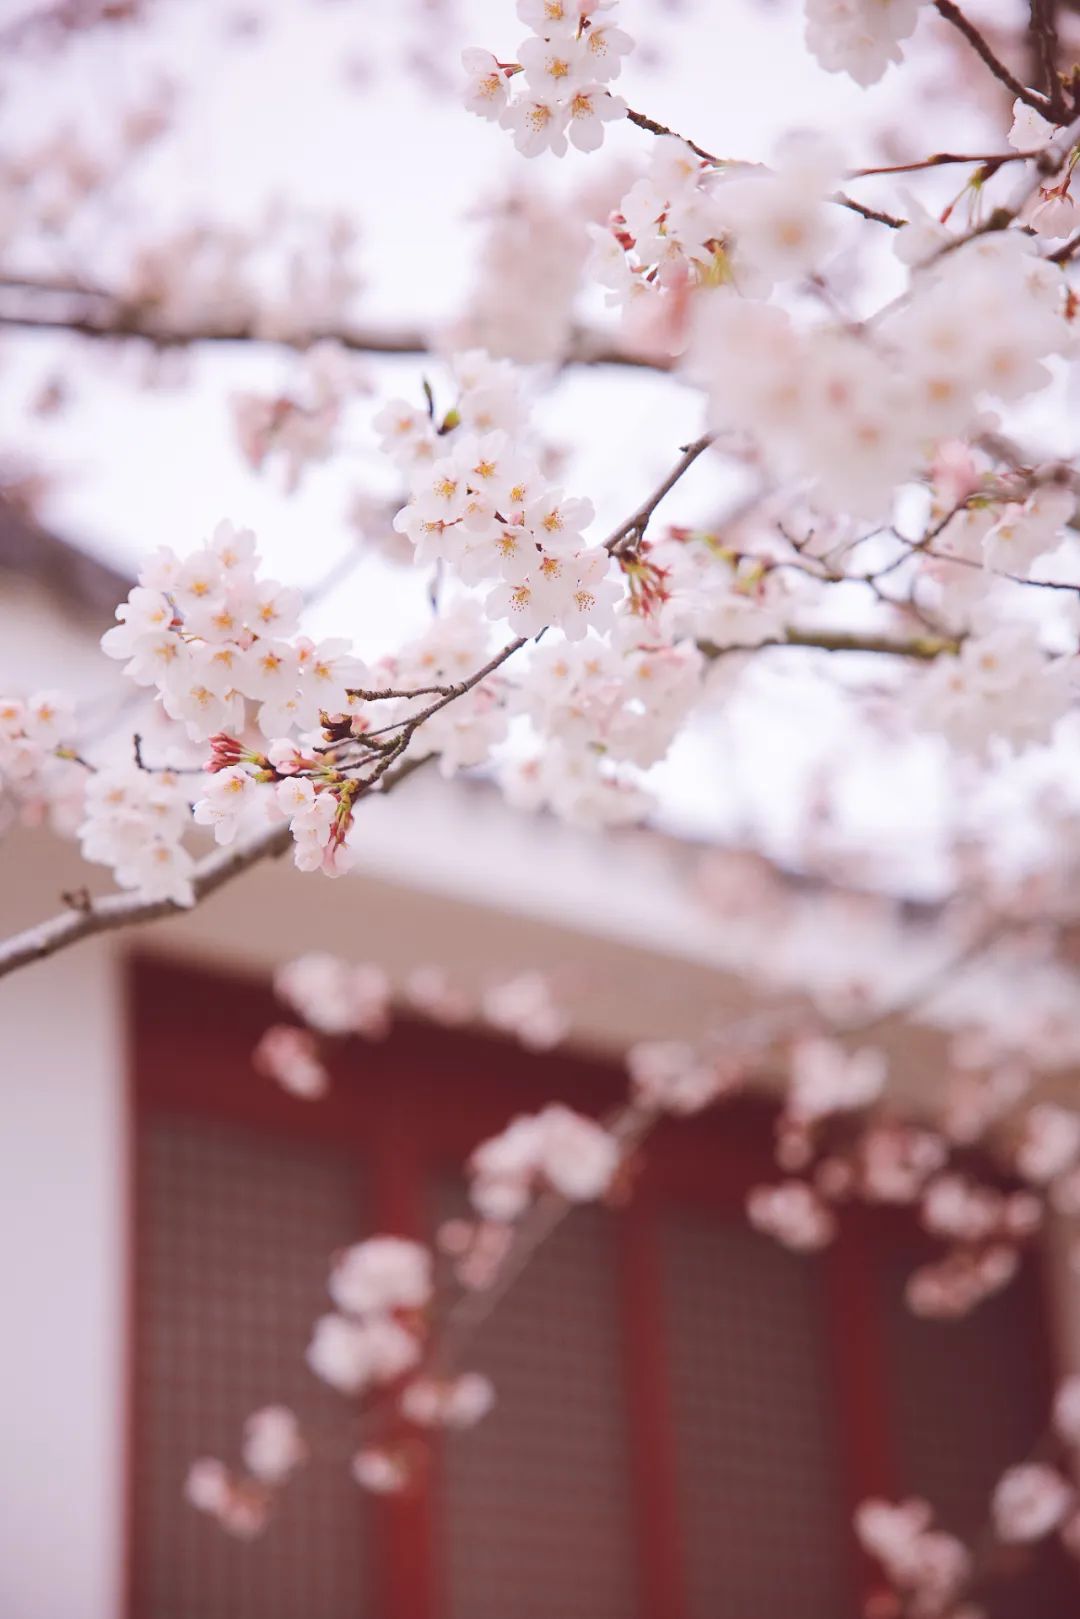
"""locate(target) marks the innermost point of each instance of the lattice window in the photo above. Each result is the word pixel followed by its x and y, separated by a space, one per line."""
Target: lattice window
pixel 234 1235
pixel 538 1513
pixel 535 1502
pixel 761 1504
pixel 967 1399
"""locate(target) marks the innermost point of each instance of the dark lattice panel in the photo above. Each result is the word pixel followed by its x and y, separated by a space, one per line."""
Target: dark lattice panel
pixel 760 1498
pixel 968 1399
pixel 535 1509
pixel 234 1236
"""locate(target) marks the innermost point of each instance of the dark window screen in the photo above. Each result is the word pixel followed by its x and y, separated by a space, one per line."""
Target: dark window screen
pixel 550 1508
pixel 761 1502
pixel 968 1400
pixel 536 1513
pixel 234 1236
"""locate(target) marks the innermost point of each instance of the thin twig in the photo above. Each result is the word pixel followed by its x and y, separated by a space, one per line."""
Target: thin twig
pixel 877 215
pixel 634 527
pixel 651 127
pixel 937 161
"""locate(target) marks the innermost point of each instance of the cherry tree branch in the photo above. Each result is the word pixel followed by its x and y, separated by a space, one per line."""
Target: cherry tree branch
pixel 58 306
pixel 652 127
pixel 923 648
pixel 1043 31
pixel 87 917
pixel 952 14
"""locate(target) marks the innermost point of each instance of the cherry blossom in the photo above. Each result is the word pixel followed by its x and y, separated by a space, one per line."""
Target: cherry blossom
pixel 1050 1142
pixel 859 37
pixel 381 1274
pixel 335 997
pixel 556 1148
pixel 39 771
pixel 558 86
pixel 1029 130
pixel 352 1355
pixel 674 1076
pixel 382 1471
pixel 135 823
pixel 273 1445
pixel 290 1057
pixel 793 1213
pixel 526 1007
pixel 825 1079
pixel 1067 1410
pixel 1029 1501
pixel 458 1403
pixel 926 1564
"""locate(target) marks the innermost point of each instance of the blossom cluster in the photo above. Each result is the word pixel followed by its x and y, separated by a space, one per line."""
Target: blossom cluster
pixel 218 644
pixel 383 1289
pixel 673 1076
pixel 521 305
pixel 298 427
pixel 859 37
pixel 337 999
pixel 480 504
pixel 622 702
pixel 207 634
pixel 380 1287
pixel 288 277
pixel 690 223
pixel 926 1565
pixel 556 1149
pixel 273 1448
pixel 835 1133
pixel 38 774
pixel 135 821
pixel 850 415
pixel 998 693
pixel 566 64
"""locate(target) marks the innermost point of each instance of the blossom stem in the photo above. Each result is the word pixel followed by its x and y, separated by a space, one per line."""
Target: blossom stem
pixel 629 534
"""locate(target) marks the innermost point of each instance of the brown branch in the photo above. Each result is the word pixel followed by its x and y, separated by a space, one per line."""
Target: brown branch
pixel 877 215
pixel 450 694
pixel 1065 254
pixel 651 127
pixel 104 317
pixel 952 14
pixel 115 911
pixel 125 910
pixel 1043 30
pixel 923 648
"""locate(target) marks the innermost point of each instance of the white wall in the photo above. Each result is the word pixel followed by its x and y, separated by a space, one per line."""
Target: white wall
pixel 62 1189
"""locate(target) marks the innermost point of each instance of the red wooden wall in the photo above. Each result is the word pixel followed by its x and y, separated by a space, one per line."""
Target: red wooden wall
pixel 687 1414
